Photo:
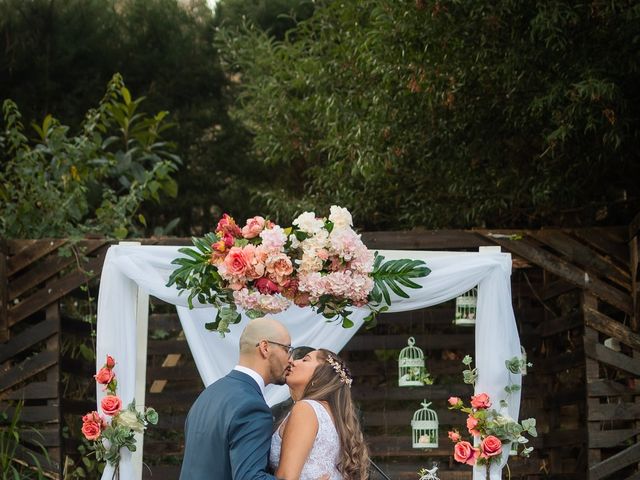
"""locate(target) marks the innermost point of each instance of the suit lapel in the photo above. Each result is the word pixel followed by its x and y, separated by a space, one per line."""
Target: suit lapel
pixel 243 377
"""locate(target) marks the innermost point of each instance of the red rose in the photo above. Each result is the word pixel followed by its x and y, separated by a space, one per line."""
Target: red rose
pixel 104 376
pixel 491 446
pixel 266 286
pixel 472 422
pixel 111 404
pixel 110 362
pixel 228 225
pixel 91 430
pixel 480 401
pixel 454 436
pixel 463 452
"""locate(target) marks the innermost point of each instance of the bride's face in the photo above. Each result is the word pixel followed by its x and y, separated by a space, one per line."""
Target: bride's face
pixel 302 370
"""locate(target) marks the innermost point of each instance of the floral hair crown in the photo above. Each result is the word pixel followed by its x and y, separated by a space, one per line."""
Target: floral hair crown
pixel 341 370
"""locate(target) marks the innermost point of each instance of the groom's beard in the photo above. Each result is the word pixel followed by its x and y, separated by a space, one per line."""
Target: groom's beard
pixel 282 378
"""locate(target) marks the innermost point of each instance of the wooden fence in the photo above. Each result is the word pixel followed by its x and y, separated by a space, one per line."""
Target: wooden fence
pixel 575 295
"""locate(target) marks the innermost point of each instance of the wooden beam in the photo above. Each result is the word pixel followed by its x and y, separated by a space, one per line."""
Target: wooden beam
pixel 568 272
pixel 33 252
pixel 599 352
pixel 634 226
pixel 28 339
pixel 27 369
pixel 580 254
pixel 615 463
pixel 609 241
pixel 557 325
pixel 612 328
pixel 605 412
pixel 424 240
pixel 611 388
pixel 611 438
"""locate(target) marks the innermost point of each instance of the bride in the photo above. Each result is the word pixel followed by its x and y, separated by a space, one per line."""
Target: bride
pixel 321 436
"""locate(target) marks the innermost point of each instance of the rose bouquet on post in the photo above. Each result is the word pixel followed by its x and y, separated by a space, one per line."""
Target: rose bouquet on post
pixel 115 429
pixel 263 268
pixel 492 429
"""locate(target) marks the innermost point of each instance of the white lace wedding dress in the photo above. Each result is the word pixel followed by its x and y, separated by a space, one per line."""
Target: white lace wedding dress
pixel 323 457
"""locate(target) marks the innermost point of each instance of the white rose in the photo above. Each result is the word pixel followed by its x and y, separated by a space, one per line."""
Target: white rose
pixel 308 223
pixel 340 217
pixel 129 419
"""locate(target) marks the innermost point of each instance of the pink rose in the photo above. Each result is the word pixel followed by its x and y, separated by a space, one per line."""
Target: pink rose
pixel 491 446
pixel 472 423
pixel 480 401
pixel 266 286
pixel 104 376
pixel 463 452
pixel 454 401
pixel 91 430
pixel 454 436
pixel 110 362
pixel 228 240
pixel 111 404
pixel 235 262
pixel 228 225
pixel 255 258
pixel 253 227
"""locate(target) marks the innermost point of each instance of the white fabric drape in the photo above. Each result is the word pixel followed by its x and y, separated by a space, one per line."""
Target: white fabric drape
pixel 452 273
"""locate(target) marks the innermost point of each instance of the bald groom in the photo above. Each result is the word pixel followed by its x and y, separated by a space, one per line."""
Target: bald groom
pixel 228 429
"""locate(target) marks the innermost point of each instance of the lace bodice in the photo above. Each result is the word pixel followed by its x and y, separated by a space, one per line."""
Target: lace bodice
pixel 323 457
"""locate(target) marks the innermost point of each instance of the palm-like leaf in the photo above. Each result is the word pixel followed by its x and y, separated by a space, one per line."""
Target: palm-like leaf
pixel 393 275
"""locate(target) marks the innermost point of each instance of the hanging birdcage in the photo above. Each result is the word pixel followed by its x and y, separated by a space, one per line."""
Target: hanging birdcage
pixel 411 370
pixel 466 308
pixel 424 427
pixel 523 365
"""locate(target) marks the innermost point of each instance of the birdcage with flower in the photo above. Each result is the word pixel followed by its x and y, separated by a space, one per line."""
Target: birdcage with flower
pixel 424 427
pixel 411 368
pixel 466 308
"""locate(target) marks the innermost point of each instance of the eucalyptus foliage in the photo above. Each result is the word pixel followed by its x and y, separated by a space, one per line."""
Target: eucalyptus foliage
pixel 447 112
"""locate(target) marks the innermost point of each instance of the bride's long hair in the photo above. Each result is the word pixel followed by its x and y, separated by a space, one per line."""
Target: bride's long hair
pixel 331 382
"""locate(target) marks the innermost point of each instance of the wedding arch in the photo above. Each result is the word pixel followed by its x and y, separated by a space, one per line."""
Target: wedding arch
pixel 132 272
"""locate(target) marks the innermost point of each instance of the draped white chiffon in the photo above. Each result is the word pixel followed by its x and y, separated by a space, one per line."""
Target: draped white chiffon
pixel 128 267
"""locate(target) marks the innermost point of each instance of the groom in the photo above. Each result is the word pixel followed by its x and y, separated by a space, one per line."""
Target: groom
pixel 228 429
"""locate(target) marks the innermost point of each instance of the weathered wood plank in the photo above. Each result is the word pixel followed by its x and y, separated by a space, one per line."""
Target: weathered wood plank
pixel 55 291
pixel 615 463
pixel 48 268
pixel 599 352
pixel 33 252
pixel 583 256
pixel 33 391
pixel 374 342
pixel 51 468
pixel 4 293
pixel 614 411
pixel 27 339
pixel 634 227
pixel 424 240
pixel 610 388
pixel 30 367
pixel 557 288
pixel 46 437
pixel 557 325
pixel 40 414
pixel 612 328
pixel 611 438
pixel 609 241
pixel 569 272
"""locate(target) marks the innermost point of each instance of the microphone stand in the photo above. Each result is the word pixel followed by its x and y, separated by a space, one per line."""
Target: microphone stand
pixel 379 470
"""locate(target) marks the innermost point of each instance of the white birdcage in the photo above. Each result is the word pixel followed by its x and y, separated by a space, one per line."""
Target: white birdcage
pixel 411 370
pixel 523 355
pixel 424 427
pixel 466 308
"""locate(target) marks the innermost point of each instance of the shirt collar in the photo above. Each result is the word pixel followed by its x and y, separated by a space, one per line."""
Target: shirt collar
pixel 253 374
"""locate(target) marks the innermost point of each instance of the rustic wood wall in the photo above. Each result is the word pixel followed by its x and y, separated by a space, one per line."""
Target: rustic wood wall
pixel 572 290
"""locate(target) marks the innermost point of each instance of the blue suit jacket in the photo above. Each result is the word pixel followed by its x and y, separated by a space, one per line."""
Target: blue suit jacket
pixel 228 432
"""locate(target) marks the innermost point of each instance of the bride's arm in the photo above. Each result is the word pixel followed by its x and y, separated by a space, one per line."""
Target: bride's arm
pixel 297 440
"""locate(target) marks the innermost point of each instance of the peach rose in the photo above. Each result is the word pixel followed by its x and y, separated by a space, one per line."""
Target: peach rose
pixel 454 436
pixel 235 262
pixel 104 376
pixel 279 266
pixel 255 258
pixel 111 404
pixel 463 452
pixel 110 362
pixel 472 423
pixel 91 430
pixel 491 446
pixel 480 401
pixel 453 401
pixel 253 227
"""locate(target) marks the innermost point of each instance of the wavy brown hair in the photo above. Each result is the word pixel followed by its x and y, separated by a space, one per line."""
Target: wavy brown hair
pixel 326 385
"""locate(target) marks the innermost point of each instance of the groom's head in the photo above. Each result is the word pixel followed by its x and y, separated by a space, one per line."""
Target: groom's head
pixel 265 346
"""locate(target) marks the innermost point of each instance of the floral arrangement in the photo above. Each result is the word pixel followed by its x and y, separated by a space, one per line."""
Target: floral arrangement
pixel 264 268
pixel 115 429
pixel 491 428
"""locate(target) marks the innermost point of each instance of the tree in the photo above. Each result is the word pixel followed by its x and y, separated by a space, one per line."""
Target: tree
pixel 447 113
